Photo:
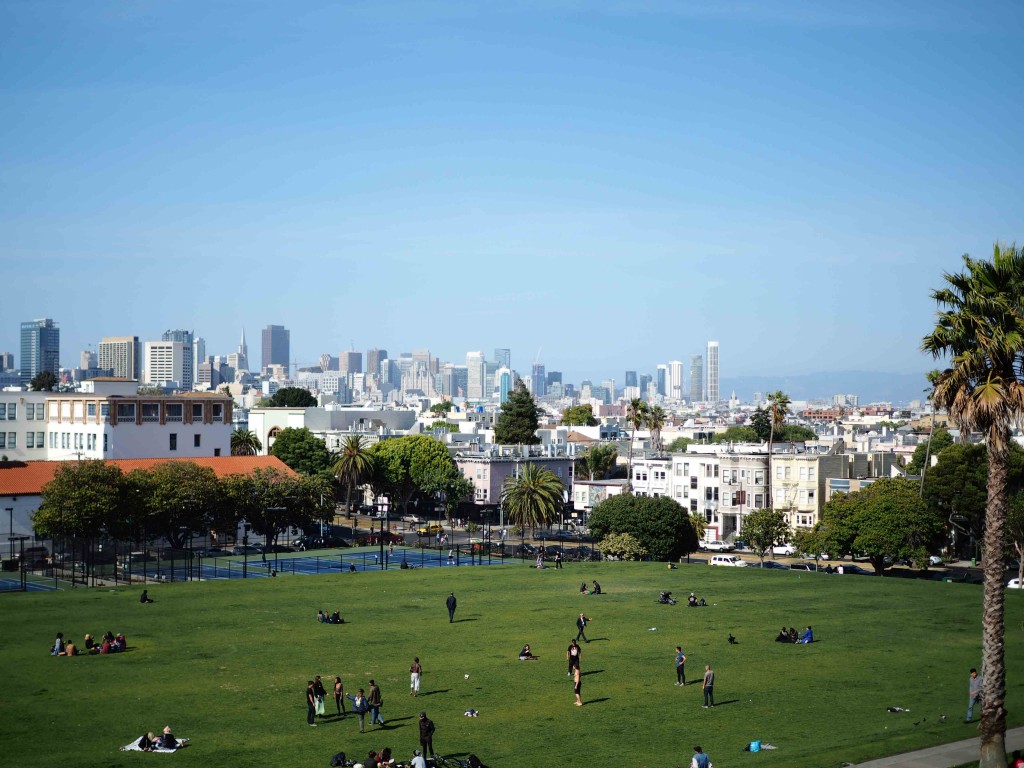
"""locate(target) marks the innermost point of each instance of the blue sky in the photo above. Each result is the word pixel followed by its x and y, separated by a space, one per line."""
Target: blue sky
pixel 608 183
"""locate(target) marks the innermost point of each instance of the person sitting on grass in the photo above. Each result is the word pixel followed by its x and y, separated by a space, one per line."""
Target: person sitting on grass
pixel 146 742
pixel 793 637
pixel 58 645
pixel 91 646
pixel 596 590
pixel 782 637
pixel 144 597
pixel 526 654
pixel 583 589
pixel 167 740
pixel 336 618
pixel 807 636
pixel 119 644
pixel 70 649
pixel 321 617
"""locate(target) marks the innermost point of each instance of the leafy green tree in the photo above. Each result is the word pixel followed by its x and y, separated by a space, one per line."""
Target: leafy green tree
pixel 353 467
pixel 794 433
pixel 579 416
pixel 301 451
pixel 518 420
pixel 84 498
pixel 244 442
pixel 679 445
pixel 442 407
pixel 413 464
pixel 1015 530
pixel 290 397
pixel 44 381
pixel 778 408
pixel 533 498
pixel 811 540
pixel 598 461
pixel 661 525
pixel 885 520
pixel 736 434
pixel 271 501
pixel 761 423
pixel 184 500
pixel 443 426
pixel 621 546
pixel 636 415
pixel 980 331
pixel 763 529
pixel 936 444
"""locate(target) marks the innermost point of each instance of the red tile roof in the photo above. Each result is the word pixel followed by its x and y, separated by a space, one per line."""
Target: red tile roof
pixel 28 477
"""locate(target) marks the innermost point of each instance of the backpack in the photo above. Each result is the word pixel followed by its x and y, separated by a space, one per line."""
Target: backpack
pixel 338 760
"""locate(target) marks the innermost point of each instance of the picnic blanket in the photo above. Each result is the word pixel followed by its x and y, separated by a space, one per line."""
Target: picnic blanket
pixel 134 747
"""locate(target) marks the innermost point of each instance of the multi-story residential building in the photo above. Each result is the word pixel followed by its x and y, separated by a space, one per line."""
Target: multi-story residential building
pixel 712 394
pixel 697 379
pixel 122 355
pixel 276 347
pixel 744 474
pixel 332 424
pixel 40 348
pixel 488 469
pixel 798 481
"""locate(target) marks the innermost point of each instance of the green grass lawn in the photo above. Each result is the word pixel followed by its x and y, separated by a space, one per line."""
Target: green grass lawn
pixel 225 663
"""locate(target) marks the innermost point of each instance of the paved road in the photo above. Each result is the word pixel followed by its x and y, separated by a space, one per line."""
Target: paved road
pixel 944 756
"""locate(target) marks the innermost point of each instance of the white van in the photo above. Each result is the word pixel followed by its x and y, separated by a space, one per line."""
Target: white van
pixel 728 560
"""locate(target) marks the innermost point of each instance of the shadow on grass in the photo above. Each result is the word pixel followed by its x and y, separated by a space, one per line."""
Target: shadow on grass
pixel 459 621
pixel 726 703
pixel 591 672
pixel 597 701
pixel 431 693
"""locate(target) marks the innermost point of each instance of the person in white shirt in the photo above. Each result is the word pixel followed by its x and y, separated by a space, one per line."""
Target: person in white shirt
pixel 417 760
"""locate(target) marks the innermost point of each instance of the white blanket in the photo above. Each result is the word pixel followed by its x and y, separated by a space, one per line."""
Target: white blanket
pixel 134 747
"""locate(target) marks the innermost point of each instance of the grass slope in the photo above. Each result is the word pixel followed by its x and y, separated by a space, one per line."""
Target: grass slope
pixel 225 663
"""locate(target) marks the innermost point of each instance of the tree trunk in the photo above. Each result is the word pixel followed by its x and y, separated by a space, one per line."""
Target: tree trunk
pixel 771 496
pixel 993 657
pixel 629 470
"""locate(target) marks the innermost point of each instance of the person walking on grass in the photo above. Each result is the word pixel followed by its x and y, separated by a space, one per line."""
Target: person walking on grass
pixel 374 700
pixel 709 686
pixel 581 625
pixel 572 655
pixel 451 603
pixel 973 694
pixel 310 704
pixel 680 666
pixel 414 676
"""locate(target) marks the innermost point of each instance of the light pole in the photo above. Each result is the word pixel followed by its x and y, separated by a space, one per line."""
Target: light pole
pixel 10 511
pixel 245 550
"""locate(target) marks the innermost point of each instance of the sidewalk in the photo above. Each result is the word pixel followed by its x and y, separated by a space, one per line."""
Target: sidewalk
pixel 946 755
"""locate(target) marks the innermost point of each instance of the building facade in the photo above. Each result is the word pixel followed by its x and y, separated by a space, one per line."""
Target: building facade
pixel 122 356
pixel 276 348
pixel 40 348
pixel 712 394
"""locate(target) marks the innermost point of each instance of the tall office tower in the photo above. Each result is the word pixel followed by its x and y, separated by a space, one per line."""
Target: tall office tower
pixel 329 362
pixel 630 379
pixel 276 346
pixel 538 380
pixel 476 375
pixel 122 354
pixel 350 362
pixel 645 385
pixel 198 353
pixel 423 356
pixel 86 359
pixel 661 379
pixel 675 379
pixel 609 384
pixel 712 386
pixel 389 373
pixel 186 338
pixel 490 385
pixel 696 379
pixel 165 363
pixel 503 379
pixel 6 361
pixel 40 348
pixel 503 357
pixel 373 358
pixel 554 377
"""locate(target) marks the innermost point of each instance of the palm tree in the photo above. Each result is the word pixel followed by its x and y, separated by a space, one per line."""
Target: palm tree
pixel 598 461
pixel 699 523
pixel 655 421
pixel 980 331
pixel 245 443
pixel 778 409
pixel 353 467
pixel 636 415
pixel 533 497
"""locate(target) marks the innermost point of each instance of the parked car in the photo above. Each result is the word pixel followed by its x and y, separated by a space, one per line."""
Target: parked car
pixel 847 569
pixel 212 552
pixel 246 549
pixel 805 566
pixel 525 550
pixel 717 546
pixel 1015 584
pixel 134 560
pixel 934 560
pixel 770 564
pixel 727 560
pixel 785 550
pixel 430 529
pixel 33 557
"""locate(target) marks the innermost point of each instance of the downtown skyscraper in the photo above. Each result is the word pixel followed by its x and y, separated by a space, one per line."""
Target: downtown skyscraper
pixel 276 346
pixel 40 348
pixel 712 395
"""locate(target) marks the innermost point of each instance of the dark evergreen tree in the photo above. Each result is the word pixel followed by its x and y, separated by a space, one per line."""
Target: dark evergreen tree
pixel 761 423
pixel 290 397
pixel 518 421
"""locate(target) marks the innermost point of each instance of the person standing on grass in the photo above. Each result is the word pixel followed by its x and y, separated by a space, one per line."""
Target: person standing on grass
pixel 581 625
pixel 426 734
pixel 973 694
pixel 577 683
pixel 373 698
pixel 680 666
pixel 320 692
pixel 339 695
pixel 558 560
pixel 451 602
pixel 414 676
pixel 359 707
pixel 310 704
pixel 709 686
pixel 572 655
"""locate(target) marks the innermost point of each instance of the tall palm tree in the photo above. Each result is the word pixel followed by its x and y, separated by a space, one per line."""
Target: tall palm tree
pixel 245 443
pixel 353 467
pixel 699 523
pixel 778 409
pixel 979 330
pixel 598 462
pixel 655 421
pixel 636 415
pixel 532 498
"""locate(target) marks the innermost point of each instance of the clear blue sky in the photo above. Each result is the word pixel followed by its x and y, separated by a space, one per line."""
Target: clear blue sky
pixel 612 183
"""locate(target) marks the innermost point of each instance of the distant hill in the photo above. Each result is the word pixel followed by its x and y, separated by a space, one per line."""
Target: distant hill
pixel 869 386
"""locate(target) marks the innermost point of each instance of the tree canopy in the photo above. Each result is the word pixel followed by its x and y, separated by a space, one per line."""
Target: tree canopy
pixel 244 442
pixel 761 423
pixel 533 497
pixel 579 416
pixel 661 525
pixel 518 420
pixel 44 381
pixel 621 546
pixel 413 464
pixel 736 434
pixel 442 407
pixel 84 498
pixel 940 441
pixel 599 461
pixel 301 451
pixel 763 529
pixel 290 397
pixel 679 445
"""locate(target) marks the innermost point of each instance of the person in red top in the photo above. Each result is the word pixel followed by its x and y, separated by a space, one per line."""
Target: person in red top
pixel 1016 761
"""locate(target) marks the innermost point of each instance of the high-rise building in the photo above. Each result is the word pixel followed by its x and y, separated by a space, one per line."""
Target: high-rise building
pixel 675 379
pixel 503 378
pixel 242 356
pixel 122 355
pixel 554 377
pixel 476 375
pixel 373 358
pixel 712 386
pixel 661 380
pixel 6 361
pixel 40 348
pixel 329 362
pixel 503 357
pixel 276 346
pixel 538 380
pixel 188 364
pixel 166 363
pixel 645 385
pixel 697 379
pixel 630 379
pixel 350 362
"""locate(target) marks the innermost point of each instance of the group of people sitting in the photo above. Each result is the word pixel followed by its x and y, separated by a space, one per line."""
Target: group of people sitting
pixel 791 636
pixel 585 590
pixel 148 742
pixel 323 618
pixel 110 644
pixel 693 602
pixel 666 598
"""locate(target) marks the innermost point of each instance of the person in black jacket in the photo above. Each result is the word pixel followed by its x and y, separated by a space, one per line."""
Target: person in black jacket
pixel 451 603
pixel 426 734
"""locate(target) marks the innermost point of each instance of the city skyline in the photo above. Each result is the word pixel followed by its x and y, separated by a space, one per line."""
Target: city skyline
pixel 789 180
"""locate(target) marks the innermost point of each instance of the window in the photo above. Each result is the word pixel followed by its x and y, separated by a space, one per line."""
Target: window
pixel 758 501
pixel 126 411
pixel 787 473
pixel 174 441
pixel 174 411
pixel 3 439
pixel 778 471
pixel 63 440
pixel 12 439
pixel 90 410
pixel 53 439
pixel 195 440
pixel 686 468
pixel 803 473
pixel 679 470
pixel 30 440
pixel 197 411
pixel 104 410
pixel 30 412
pixel 803 497
pixel 3 410
pixel 106 444
pixel 40 412
pixel 759 477
pixel 218 411
pixel 810 473
pixel 810 497
pixel 39 439
pixel 12 411
pixel 151 412
pixel 693 505
pixel 90 442
pixel 716 470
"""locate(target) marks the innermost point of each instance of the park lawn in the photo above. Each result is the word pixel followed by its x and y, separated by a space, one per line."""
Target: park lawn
pixel 225 663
